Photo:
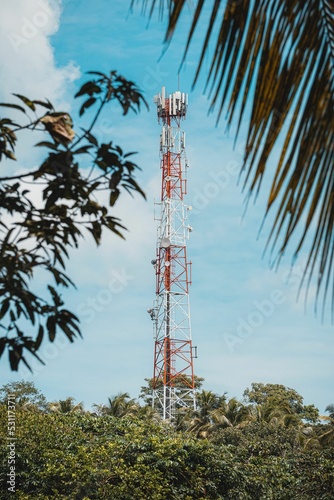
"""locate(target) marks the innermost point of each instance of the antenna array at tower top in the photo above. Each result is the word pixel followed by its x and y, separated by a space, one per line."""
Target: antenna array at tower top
pixel 173 106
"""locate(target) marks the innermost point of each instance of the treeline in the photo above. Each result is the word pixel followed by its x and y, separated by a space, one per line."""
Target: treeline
pixel 268 446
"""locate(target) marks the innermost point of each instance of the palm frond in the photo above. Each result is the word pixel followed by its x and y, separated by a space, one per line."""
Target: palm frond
pixel 151 5
pixel 275 60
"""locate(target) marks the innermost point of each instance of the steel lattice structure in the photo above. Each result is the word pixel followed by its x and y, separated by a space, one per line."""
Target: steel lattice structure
pixel 173 377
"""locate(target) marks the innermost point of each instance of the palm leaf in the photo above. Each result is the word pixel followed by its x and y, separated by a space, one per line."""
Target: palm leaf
pixel 275 59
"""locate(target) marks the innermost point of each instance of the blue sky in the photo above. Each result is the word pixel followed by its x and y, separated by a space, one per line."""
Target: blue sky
pixel 246 321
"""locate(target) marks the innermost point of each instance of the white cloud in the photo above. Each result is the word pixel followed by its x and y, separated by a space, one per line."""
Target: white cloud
pixel 28 65
pixel 26 56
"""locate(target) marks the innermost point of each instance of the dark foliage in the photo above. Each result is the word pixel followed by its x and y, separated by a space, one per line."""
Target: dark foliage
pixel 37 237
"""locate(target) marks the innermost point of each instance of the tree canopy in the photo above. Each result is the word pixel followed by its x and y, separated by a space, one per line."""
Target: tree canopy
pixel 279 395
pixel 26 395
pixel 126 454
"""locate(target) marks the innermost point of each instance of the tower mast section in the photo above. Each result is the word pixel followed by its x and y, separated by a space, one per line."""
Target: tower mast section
pixel 173 375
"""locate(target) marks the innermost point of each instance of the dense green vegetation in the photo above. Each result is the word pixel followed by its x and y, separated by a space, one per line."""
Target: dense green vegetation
pixel 268 446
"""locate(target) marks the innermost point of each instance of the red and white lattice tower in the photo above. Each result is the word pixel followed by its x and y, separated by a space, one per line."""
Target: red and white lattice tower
pixel 173 376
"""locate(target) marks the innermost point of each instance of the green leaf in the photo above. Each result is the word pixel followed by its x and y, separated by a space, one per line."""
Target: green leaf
pixel 46 144
pixel 130 154
pixel 89 88
pixel 67 330
pixel 90 137
pixel 19 332
pixel 3 343
pixel 39 337
pixel 96 230
pixel 26 363
pixel 5 242
pixel 96 73
pixel 55 296
pixel 7 121
pixel 9 154
pixel 72 320
pixel 51 326
pixel 14 357
pixel 113 197
pixel 136 187
pixel 26 101
pixel 46 104
pixel 83 149
pixel 102 164
pixel 15 106
pixel 87 104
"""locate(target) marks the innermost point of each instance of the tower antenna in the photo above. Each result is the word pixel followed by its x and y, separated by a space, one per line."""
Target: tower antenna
pixel 173 381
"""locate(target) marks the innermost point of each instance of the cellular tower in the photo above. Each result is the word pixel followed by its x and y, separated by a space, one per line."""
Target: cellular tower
pixel 173 374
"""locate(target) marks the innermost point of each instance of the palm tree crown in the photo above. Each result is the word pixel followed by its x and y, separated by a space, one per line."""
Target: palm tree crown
pixel 118 406
pixel 275 60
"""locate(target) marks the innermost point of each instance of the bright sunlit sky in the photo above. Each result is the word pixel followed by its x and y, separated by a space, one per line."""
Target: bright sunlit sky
pixel 246 322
